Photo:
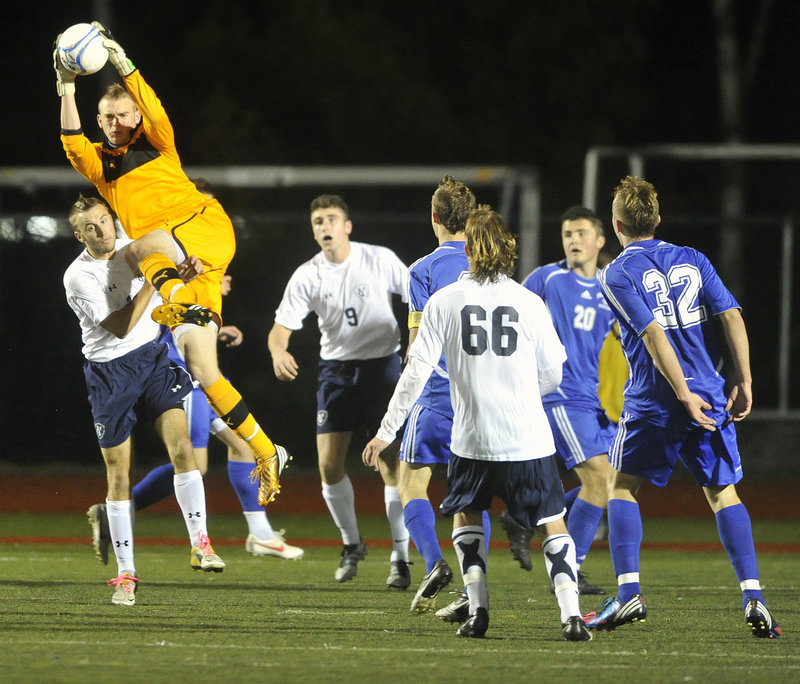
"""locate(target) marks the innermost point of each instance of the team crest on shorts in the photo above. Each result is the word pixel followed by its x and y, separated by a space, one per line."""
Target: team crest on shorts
pixel 322 417
pixel 361 291
pixel 100 429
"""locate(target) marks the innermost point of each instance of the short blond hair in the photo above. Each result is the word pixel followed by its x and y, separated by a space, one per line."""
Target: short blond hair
pixel 635 204
pixel 81 206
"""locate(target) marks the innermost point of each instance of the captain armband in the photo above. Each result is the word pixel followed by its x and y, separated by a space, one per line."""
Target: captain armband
pixel 414 319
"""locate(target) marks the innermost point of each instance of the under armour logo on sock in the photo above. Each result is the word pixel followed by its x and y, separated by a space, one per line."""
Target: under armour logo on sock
pixel 122 543
pixel 195 515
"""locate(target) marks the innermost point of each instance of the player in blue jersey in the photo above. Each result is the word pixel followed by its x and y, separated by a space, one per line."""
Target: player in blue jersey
pixel 426 439
pixel 581 429
pixel 666 299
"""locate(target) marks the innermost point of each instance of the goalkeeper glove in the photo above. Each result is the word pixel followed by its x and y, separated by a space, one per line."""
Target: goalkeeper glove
pixel 116 55
pixel 65 79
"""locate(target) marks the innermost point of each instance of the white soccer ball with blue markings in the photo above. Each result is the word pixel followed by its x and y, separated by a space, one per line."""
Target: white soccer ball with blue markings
pixel 80 49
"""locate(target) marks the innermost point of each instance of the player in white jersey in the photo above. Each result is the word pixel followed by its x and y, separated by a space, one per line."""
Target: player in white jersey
pixel 581 429
pixel 126 370
pixel 502 355
pixel 666 299
pixel 349 286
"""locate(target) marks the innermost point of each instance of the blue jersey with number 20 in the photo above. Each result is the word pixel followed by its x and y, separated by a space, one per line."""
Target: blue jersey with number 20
pixel 652 280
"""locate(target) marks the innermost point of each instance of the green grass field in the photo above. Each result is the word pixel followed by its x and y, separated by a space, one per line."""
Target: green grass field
pixel 274 620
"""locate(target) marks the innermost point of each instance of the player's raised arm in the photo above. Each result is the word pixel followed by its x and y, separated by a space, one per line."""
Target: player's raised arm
pixel 65 87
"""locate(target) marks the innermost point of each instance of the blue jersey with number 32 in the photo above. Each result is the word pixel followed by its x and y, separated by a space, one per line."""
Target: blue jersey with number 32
pixel 653 280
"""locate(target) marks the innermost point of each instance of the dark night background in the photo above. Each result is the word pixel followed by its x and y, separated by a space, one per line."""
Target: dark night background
pixel 320 82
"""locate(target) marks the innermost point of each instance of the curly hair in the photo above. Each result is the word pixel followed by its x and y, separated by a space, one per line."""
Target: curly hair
pixel 453 202
pixel 492 248
pixel 636 206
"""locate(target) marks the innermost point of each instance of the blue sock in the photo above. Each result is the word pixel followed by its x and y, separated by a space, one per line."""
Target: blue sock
pixel 624 541
pixel 582 526
pixel 420 521
pixel 569 498
pixel 154 487
pixel 239 475
pixel 736 535
pixel 487 531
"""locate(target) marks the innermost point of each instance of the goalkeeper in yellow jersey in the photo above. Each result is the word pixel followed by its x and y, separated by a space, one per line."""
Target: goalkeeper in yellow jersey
pixel 137 170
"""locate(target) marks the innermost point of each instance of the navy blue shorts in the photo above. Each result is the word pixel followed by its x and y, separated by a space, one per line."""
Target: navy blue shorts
pixel 353 395
pixel 531 490
pixel 144 380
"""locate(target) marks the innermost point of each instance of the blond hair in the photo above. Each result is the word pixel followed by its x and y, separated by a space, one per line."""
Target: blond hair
pixel 636 206
pixel 81 206
pixel 116 91
pixel 453 202
pixel 492 249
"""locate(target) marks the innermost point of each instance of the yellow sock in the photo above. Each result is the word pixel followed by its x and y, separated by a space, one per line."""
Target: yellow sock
pixel 230 406
pixel 161 271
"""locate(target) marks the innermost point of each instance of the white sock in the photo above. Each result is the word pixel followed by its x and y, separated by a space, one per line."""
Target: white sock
pixel 120 526
pixel 470 547
pixel 559 559
pixel 258 524
pixel 191 496
pixel 394 512
pixel 341 502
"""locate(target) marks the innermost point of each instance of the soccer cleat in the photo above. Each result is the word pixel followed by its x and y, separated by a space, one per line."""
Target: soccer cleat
pixel 457 611
pixel 276 546
pixel 348 566
pixel 520 539
pixel 476 626
pixel 760 620
pixel 267 473
pixel 429 587
pixel 612 613
pixel 101 536
pixel 575 629
pixel 124 589
pixel 173 314
pixel 585 588
pixel 399 575
pixel 203 557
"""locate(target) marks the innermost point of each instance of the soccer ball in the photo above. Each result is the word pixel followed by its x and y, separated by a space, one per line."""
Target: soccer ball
pixel 80 49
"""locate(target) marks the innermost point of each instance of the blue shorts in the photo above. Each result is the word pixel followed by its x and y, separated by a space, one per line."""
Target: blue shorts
pixel 199 415
pixel 580 433
pixel 141 380
pixel 531 490
pixel 649 451
pixel 426 439
pixel 353 395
